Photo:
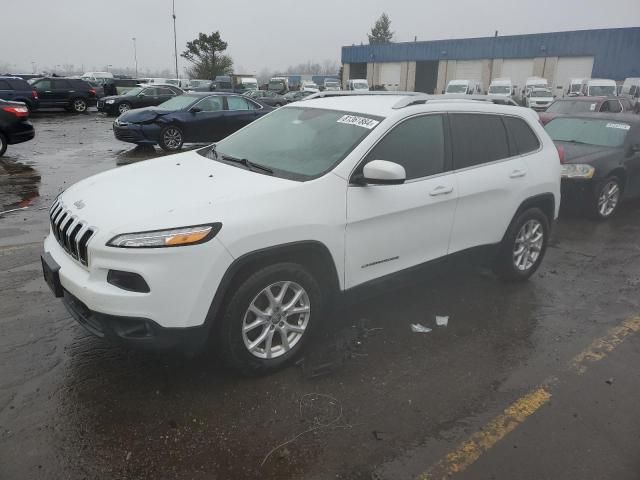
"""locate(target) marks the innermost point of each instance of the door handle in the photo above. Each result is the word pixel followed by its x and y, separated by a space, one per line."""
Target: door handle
pixel 517 174
pixel 47 91
pixel 440 190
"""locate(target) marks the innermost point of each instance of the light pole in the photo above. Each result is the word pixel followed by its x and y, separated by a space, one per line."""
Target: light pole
pixel 175 38
pixel 109 66
pixel 135 55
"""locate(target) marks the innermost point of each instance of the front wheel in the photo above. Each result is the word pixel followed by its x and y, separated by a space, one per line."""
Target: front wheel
pixel 269 318
pixel 171 139
pixel 607 198
pixel 124 107
pixel 523 246
pixel 79 105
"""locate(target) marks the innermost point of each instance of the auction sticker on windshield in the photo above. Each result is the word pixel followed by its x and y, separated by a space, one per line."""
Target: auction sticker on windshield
pixel 621 126
pixel 364 122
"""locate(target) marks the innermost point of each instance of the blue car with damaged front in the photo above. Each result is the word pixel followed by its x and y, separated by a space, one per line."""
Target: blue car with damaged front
pixel 189 118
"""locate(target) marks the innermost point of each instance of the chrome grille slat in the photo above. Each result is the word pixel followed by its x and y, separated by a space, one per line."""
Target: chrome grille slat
pixel 71 233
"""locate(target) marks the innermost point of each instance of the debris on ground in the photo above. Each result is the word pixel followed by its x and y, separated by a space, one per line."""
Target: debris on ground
pixel 609 381
pixel 378 435
pixel 442 321
pixel 419 328
pixel 12 210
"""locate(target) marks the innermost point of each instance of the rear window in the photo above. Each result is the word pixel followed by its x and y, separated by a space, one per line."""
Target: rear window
pixel 521 137
pixel 81 84
pixel 599 132
pixel 4 85
pixel 477 139
pixel 19 84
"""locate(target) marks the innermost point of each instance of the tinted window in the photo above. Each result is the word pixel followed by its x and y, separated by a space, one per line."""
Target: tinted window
pixel 164 91
pixel 477 139
pixel 572 106
pixel 614 106
pixel 19 85
pixel 238 103
pixel 4 85
pixel 150 92
pixel 61 84
pixel 79 84
pixel 521 137
pixel 43 85
pixel 417 144
pixel 626 104
pixel 604 133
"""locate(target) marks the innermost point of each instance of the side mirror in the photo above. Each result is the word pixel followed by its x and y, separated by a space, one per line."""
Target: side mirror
pixel 142 95
pixel 195 109
pixel 381 172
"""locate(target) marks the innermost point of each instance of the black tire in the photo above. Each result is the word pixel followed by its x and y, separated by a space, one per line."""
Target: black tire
pixel 123 108
pixel 228 330
pixel 506 260
pixel 171 139
pixel 3 144
pixel 79 105
pixel 598 211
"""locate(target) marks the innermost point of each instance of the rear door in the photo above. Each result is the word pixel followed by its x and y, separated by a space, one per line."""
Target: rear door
pixel 240 112
pixel 44 88
pixel 207 125
pixel 394 227
pixel 491 179
pixel 147 97
pixel 61 91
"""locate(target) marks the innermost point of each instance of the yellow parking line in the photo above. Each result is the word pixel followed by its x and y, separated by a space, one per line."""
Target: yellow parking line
pixel 471 449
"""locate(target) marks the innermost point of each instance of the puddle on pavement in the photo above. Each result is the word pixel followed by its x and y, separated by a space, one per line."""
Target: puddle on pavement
pixel 19 184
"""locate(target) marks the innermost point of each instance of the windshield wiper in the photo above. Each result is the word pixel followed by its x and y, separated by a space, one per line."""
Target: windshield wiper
pixel 248 164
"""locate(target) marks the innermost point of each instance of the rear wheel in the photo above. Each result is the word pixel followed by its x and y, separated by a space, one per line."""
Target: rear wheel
pixel 171 139
pixel 3 144
pixel 269 318
pixel 523 247
pixel 79 105
pixel 607 198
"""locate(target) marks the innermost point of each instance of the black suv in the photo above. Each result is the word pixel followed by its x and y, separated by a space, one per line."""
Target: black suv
pixel 16 89
pixel 72 94
pixel 14 124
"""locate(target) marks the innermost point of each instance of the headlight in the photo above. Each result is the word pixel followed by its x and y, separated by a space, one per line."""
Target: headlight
pixel 175 237
pixel 110 102
pixel 573 170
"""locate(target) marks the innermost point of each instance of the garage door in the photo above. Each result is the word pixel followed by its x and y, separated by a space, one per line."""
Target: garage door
pixel 469 70
pixel 390 75
pixel 518 70
pixel 571 67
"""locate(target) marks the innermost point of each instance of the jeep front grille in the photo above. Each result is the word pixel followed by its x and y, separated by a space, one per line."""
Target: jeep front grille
pixel 72 233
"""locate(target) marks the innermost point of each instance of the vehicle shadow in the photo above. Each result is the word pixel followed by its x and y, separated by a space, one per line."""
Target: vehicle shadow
pixel 19 184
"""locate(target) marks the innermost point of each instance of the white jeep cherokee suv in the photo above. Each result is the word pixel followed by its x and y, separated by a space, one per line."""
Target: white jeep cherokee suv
pixel 247 242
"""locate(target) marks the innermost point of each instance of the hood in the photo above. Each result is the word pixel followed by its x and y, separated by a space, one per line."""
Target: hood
pixel 141 115
pixel 166 192
pixel 580 153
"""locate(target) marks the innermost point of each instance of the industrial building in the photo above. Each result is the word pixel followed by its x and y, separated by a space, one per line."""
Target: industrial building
pixel 558 57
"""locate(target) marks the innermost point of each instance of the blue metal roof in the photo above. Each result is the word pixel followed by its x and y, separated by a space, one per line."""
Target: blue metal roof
pixel 616 51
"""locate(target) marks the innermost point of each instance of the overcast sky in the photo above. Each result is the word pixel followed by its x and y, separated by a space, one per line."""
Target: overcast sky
pixel 273 33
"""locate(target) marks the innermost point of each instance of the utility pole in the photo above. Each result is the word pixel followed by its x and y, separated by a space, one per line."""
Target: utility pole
pixel 135 55
pixel 175 38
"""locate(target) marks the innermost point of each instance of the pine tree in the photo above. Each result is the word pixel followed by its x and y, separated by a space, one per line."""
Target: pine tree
pixel 381 31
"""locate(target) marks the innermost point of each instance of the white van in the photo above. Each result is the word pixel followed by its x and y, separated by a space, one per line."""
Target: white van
pixel 502 87
pixel 358 85
pixel 631 89
pixel 599 87
pixel 98 77
pixel 575 86
pixel 535 82
pixel 465 87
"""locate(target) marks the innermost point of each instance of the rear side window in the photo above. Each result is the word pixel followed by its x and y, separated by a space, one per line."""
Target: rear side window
pixel 165 91
pixel 4 85
pixel 61 84
pixel 17 84
pixel 521 138
pixel 477 139
pixel 417 144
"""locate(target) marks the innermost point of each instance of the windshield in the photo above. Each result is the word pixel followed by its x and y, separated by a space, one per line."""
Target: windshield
pixel 457 89
pixel 298 143
pixel 602 90
pixel 603 133
pixel 332 84
pixel 276 85
pixel 572 106
pixel 360 86
pixel 134 91
pixel 178 103
pixel 499 90
pixel 575 88
pixel 541 93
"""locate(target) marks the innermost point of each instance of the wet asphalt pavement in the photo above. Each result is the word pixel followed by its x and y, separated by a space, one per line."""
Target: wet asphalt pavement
pixel 372 400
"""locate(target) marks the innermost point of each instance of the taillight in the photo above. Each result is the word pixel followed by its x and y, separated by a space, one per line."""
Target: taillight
pixel 92 91
pixel 34 94
pixel 20 112
pixel 560 153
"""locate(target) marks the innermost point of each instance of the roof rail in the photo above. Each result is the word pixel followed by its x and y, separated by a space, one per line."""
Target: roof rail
pixel 349 93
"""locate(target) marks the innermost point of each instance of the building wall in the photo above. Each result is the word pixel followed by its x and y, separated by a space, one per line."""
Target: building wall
pixel 346 71
pixel 615 50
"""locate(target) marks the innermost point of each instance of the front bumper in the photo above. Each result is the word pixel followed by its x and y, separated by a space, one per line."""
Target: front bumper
pixel 136 133
pixel 108 108
pixel 182 288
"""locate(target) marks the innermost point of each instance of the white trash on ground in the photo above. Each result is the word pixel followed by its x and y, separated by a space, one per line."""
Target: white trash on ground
pixel 418 328
pixel 442 321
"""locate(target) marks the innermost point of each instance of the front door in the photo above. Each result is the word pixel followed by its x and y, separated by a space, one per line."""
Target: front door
pixel 207 125
pixel 394 227
pixel 240 112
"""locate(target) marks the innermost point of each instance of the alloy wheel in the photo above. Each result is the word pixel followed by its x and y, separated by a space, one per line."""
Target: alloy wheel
pixel 123 107
pixel 172 138
pixel 609 198
pixel 528 245
pixel 276 320
pixel 79 105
